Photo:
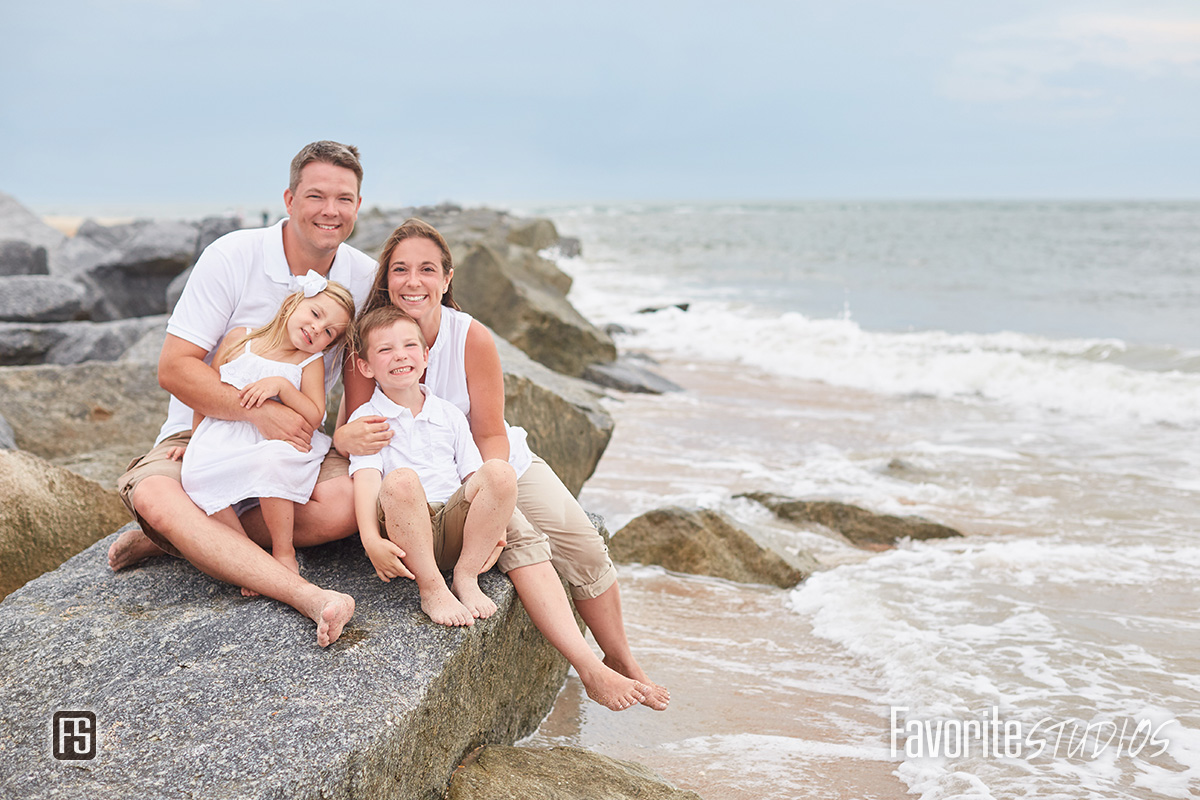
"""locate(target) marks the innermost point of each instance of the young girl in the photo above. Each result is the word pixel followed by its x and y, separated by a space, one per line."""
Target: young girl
pixel 228 461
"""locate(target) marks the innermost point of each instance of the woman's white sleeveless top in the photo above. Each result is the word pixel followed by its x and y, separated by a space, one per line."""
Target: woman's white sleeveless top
pixel 446 377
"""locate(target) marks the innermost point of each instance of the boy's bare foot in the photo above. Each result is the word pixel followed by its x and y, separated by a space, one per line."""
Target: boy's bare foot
pixel 249 593
pixel 656 698
pixel 470 595
pixel 613 690
pixel 131 547
pixel 443 607
pixel 333 616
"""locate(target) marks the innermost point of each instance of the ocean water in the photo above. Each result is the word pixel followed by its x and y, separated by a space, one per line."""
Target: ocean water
pixel 1028 373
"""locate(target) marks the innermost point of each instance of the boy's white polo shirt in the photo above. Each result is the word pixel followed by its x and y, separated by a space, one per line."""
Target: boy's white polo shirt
pixel 436 444
pixel 239 281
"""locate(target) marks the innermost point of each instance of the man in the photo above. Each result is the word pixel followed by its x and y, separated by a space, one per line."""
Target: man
pixel 239 281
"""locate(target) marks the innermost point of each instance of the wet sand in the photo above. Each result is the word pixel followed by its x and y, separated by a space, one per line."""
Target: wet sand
pixel 760 708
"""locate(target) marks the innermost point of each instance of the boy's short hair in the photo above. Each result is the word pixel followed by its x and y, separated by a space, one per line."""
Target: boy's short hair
pixel 375 319
pixel 325 151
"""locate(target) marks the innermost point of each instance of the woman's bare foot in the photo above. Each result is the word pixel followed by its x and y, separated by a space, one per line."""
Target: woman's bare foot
pixel 466 589
pixel 443 607
pixel 613 690
pixel 333 616
pixel 656 697
pixel 131 547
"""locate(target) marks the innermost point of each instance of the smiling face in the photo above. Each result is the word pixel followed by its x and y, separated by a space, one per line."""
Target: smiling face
pixel 317 322
pixel 322 209
pixel 416 280
pixel 394 356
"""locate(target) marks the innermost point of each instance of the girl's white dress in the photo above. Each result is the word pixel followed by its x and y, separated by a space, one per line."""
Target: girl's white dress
pixel 227 461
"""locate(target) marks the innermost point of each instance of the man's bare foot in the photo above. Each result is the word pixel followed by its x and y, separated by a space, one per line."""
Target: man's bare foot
pixel 657 697
pixel 467 590
pixel 613 690
pixel 443 607
pixel 131 547
pixel 333 616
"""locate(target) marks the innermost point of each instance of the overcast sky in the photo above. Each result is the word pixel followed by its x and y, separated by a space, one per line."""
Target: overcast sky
pixel 137 105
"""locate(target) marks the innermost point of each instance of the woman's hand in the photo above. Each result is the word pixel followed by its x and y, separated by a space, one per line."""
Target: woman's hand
pixel 259 392
pixel 364 436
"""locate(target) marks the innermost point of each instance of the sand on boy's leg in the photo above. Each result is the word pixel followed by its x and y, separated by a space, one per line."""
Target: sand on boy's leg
pixel 406 521
pixel 490 496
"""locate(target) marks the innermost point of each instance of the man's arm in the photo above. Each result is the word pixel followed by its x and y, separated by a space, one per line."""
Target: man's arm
pixel 183 373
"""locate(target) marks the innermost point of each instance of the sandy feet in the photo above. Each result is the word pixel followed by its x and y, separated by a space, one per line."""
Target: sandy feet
pixel 131 547
pixel 440 604
pixel 613 690
pixel 654 696
pixel 333 615
pixel 467 590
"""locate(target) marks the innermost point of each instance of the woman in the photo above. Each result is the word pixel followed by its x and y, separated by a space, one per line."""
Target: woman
pixel 550 531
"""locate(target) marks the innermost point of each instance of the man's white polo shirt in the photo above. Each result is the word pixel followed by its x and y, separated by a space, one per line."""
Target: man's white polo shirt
pixel 239 281
pixel 436 444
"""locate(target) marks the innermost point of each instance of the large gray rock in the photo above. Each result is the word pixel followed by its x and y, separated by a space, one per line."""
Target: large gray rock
pixel 63 414
pixel 41 298
pixel 704 542
pixel 48 515
pixel 497 772
pixel 628 375
pixel 8 439
pixel 71 342
pixel 862 528
pixel 128 267
pixel 19 224
pixel 504 294
pixel 199 692
pixel 22 258
pixel 566 423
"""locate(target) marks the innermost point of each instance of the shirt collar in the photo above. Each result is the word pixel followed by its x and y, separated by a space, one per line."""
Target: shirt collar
pixel 277 266
pixel 432 410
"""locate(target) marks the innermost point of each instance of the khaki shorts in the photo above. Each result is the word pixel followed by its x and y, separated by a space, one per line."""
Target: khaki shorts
pixel 156 463
pixel 447 520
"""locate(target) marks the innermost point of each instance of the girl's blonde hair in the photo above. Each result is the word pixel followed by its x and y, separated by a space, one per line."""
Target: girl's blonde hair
pixel 275 331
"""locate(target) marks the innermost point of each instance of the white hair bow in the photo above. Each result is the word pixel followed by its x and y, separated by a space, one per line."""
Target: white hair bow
pixel 313 283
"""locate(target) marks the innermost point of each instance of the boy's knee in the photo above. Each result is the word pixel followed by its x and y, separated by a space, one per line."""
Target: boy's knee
pixel 400 485
pixel 500 476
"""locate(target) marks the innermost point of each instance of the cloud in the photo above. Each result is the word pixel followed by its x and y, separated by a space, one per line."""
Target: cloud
pixel 1071 60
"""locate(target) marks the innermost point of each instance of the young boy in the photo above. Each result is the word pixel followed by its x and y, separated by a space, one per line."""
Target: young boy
pixel 427 502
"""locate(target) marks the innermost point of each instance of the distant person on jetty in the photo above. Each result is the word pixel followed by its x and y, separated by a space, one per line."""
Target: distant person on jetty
pixel 441 507
pixel 229 461
pixel 549 531
pixel 240 281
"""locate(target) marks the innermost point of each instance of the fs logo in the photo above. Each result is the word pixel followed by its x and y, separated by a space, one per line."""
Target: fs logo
pixel 74 735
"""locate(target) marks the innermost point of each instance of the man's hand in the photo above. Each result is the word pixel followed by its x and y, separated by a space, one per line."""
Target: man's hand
pixel 277 421
pixel 385 556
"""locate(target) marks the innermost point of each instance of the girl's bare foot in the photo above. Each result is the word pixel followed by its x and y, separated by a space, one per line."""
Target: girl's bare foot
pixel 443 607
pixel 613 690
pixel 333 616
pixel 131 547
pixel 657 697
pixel 467 590
pixel 288 559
